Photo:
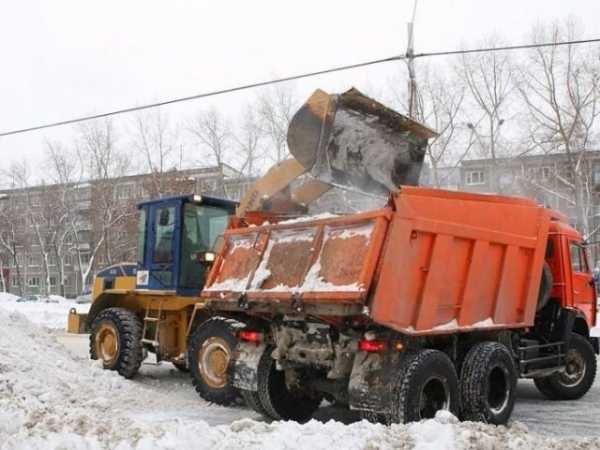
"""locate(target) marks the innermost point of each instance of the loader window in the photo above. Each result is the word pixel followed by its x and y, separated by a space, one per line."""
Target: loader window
pixel 165 227
pixel 141 235
pixel 201 227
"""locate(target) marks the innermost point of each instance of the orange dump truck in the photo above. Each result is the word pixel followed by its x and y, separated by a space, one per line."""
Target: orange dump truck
pixel 440 300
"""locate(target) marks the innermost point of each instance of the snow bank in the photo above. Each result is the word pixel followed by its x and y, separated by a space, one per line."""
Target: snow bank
pixel 51 315
pixel 52 400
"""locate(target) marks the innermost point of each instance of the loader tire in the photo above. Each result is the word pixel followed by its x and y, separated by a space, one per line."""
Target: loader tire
pixel 488 383
pixel 210 351
pixel 181 366
pixel 426 383
pixel 578 376
pixel 116 339
pixel 278 401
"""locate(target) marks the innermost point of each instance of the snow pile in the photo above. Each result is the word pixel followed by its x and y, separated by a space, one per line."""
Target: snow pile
pixel 52 400
pixel 51 315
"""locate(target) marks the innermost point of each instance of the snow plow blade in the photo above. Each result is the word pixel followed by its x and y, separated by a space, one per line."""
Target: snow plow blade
pixel 354 141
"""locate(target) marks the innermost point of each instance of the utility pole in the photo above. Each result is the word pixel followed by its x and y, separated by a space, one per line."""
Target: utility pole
pixel 413 110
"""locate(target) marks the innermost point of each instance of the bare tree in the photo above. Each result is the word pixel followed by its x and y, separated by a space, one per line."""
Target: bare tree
pixel 441 102
pixel 104 163
pixel 157 141
pixel 213 133
pixel 248 143
pixel 560 87
pixel 276 107
pixel 489 79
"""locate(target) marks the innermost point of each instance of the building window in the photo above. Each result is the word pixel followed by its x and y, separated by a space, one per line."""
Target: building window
pixel 596 174
pixel 124 191
pixel 33 281
pixel 15 282
pixel 33 261
pixel 68 260
pixel 545 172
pixel 475 177
pixel 52 281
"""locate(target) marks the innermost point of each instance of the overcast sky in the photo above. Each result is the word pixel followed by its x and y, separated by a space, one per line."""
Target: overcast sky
pixel 62 58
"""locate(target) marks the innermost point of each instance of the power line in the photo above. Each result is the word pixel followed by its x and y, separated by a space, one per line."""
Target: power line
pixel 508 47
pixel 284 79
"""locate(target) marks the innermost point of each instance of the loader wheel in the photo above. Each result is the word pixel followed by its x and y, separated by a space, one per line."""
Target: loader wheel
pixel 426 383
pixel 116 339
pixel 210 350
pixel 578 376
pixel 277 399
pixel 488 382
pixel 181 366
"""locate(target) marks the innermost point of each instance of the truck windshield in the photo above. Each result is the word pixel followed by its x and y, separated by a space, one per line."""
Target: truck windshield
pixel 202 225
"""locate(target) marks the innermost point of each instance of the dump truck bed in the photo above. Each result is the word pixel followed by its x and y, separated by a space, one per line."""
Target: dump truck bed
pixel 431 262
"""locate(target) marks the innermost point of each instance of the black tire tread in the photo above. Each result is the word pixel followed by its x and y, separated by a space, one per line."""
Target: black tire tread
pixel 410 368
pixel 473 370
pixel 228 395
pixel 129 327
pixel 553 390
pixel 275 404
pixel 252 400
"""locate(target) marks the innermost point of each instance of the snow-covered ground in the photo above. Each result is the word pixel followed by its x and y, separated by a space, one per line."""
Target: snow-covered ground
pixel 51 315
pixel 53 397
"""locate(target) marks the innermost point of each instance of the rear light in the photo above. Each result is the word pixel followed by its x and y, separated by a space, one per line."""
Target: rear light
pixel 250 336
pixel 372 346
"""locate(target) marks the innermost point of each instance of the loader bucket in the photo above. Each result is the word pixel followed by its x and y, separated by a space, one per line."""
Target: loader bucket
pixel 354 141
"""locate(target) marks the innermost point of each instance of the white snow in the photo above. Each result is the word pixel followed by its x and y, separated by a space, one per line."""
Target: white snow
pixel 51 315
pixel 309 218
pixel 453 324
pixel 52 399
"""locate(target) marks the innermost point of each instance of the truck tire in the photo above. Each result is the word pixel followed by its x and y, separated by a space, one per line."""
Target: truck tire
pixel 426 383
pixel 210 348
pixel 488 383
pixel 546 283
pixel 252 400
pixel 116 339
pixel 578 376
pixel 279 402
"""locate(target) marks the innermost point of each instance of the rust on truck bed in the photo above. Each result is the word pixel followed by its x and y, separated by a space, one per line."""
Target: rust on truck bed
pixel 328 260
pixel 431 262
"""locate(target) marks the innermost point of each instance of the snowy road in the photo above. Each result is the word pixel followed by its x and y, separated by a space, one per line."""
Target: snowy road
pixel 564 418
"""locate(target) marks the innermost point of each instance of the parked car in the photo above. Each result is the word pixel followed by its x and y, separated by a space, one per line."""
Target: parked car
pixel 84 297
pixel 36 298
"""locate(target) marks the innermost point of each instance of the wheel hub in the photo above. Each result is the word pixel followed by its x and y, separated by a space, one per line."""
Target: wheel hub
pixel 498 390
pixel 435 396
pixel 213 361
pixel 575 368
pixel 107 343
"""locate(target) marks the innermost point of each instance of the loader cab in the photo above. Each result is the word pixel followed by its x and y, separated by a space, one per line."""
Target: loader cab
pixel 175 238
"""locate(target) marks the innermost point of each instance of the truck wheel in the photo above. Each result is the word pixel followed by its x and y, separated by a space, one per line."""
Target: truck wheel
pixel 578 376
pixel 278 401
pixel 252 400
pixel 487 384
pixel 116 339
pixel 427 383
pixel 210 349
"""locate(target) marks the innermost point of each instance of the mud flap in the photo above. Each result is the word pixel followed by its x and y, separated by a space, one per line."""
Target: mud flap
pixel 371 381
pixel 244 370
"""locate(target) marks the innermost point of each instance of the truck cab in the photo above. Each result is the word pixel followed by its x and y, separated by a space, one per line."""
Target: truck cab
pixel 573 284
pixel 176 236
